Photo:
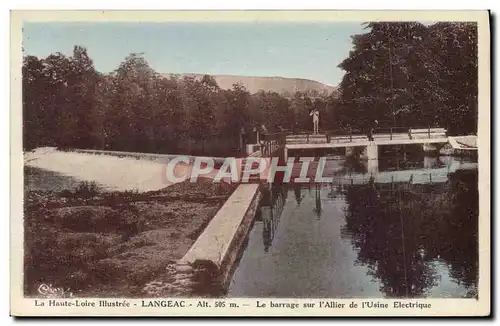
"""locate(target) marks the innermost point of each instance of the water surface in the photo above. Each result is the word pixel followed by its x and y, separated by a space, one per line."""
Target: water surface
pixel 362 238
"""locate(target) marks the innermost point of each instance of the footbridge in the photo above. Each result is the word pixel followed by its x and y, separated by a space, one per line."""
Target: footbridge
pixel 431 139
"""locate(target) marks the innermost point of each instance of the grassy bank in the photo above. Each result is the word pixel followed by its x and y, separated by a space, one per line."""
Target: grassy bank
pixel 99 243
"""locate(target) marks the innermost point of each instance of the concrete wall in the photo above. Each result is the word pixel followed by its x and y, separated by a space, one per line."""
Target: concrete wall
pixel 221 242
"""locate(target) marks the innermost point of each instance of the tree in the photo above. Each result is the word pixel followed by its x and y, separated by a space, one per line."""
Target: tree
pixel 36 108
pixel 409 74
pixel 272 110
pixel 236 115
pixel 454 49
pixel 82 83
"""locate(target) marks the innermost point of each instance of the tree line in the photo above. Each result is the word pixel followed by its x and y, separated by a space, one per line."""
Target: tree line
pixel 401 74
pixel 410 74
pixel 68 104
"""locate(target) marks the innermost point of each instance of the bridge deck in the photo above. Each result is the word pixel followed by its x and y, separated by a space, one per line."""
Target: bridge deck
pixel 467 143
pixel 416 176
pixel 380 142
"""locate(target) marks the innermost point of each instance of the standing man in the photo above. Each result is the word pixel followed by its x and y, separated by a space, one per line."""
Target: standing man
pixel 315 115
pixel 243 140
pixel 371 130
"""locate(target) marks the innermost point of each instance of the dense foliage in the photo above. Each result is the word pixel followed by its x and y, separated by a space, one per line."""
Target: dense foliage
pixel 410 74
pixel 404 74
pixel 67 103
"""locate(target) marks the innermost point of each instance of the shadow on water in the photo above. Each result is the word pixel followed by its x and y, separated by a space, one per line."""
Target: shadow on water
pixel 364 240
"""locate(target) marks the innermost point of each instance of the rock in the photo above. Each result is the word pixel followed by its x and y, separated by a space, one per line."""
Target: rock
pixel 179 277
pixel 154 283
pixel 168 287
pixel 183 268
pixel 170 268
pixel 183 283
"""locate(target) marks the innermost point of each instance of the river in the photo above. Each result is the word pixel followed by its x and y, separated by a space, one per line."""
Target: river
pixel 357 237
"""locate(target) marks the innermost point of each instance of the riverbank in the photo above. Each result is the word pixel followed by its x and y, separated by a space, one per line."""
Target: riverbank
pixel 100 243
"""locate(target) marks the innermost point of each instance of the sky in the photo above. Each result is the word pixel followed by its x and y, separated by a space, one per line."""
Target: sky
pixel 297 50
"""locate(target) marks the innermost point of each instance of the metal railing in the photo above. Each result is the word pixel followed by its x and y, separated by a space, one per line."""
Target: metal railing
pixel 427 131
pixel 352 134
pixel 270 142
pixel 391 131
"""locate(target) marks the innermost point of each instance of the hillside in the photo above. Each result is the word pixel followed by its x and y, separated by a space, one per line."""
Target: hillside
pixel 273 84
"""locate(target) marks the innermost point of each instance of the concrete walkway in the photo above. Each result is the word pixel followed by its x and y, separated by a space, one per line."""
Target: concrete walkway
pixel 379 142
pixel 216 240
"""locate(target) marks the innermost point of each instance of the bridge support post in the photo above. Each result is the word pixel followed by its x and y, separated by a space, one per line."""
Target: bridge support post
pixel 430 162
pixel 372 156
pixel 429 147
pixel 372 166
pixel 371 152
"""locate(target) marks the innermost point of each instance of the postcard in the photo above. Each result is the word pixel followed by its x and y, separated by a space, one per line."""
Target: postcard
pixel 250 163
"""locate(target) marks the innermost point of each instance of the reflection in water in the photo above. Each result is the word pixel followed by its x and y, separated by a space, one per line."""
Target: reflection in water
pixel 336 191
pixel 411 228
pixel 297 189
pixel 271 208
pixel 379 239
pixel 317 207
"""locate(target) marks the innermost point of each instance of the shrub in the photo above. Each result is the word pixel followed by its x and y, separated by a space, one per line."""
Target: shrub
pixel 87 189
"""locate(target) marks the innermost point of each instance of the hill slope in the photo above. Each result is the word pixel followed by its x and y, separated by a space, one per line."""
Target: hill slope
pixel 273 84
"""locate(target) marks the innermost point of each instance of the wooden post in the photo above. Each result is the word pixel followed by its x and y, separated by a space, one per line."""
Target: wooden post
pixel 350 134
pixel 391 133
pixel 429 132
